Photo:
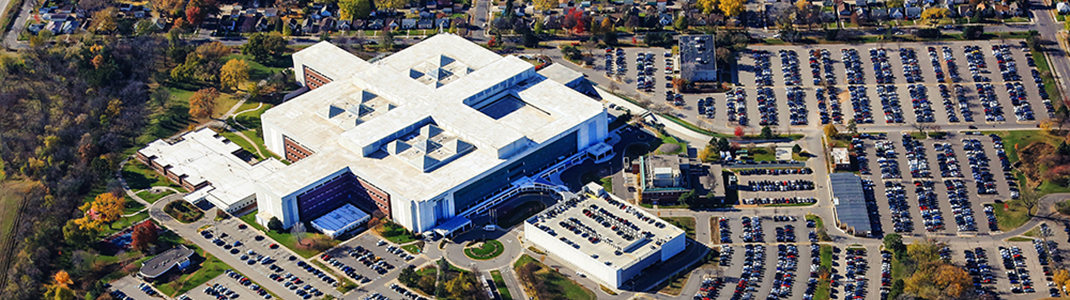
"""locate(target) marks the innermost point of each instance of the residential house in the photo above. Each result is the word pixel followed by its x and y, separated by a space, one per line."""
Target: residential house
pixel 878 14
pixel 443 23
pixel 1002 11
pixel 376 24
pixel 343 25
pixel 309 25
pixel 408 23
pixel 327 24
pixel 325 12
pixel 913 13
pixel 68 27
pixel 665 19
pixel 393 24
pixel 843 9
pixel 965 11
pixel 248 23
pixel 271 12
pixel 425 23
pixel 897 13
pixel 293 23
pixel 358 24
pixel 461 24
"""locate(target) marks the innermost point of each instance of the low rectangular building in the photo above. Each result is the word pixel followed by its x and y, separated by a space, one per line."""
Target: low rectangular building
pixel 663 178
pixel 840 159
pixel 852 212
pixel 177 257
pixel 341 220
pixel 697 59
pixel 603 236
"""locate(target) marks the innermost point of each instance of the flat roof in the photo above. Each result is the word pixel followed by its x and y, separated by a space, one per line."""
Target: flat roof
pixel 340 219
pixel 840 156
pixel 560 73
pixel 443 80
pixel 203 155
pixel 643 228
pixel 165 261
pixel 697 46
pixel 331 61
pixel 851 201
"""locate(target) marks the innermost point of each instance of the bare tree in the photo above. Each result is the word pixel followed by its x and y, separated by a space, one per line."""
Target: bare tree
pixel 660 108
pixel 1029 199
pixel 298 231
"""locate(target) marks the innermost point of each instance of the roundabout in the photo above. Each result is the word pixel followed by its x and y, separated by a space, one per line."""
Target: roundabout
pixel 484 250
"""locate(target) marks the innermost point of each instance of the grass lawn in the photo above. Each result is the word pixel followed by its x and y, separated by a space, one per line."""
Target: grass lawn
pixel 394 233
pixel 286 239
pixel 345 285
pixel 668 139
pixel 685 223
pixel 675 285
pixel 132 206
pixel 1049 82
pixel 1011 217
pixel 123 222
pixel 1035 232
pixel 1023 138
pixel 257 71
pixel 209 268
pixel 503 290
pixel 139 176
pixel 152 198
pixel 490 249
pixel 1019 239
pixel 10 200
pixel 555 281
pixel 223 104
pixel 762 154
pixel 414 248
pixel 237 140
pixel 822 290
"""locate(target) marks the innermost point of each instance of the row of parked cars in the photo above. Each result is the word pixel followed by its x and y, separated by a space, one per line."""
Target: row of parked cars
pixel 784 277
pixel 797 106
pixel 911 71
pixel 710 288
pixel 245 282
pixel 919 101
pixel 789 171
pixel 780 185
pixel 789 61
pixel 978 161
pixel 815 268
pixel 949 106
pixel 900 210
pixel 405 292
pixel 736 104
pixel 1017 275
pixel 893 110
pixel 932 217
pixel 828 105
pixel 854 278
pixel 817 58
pixel 863 113
pixel 779 200
pixel 960 204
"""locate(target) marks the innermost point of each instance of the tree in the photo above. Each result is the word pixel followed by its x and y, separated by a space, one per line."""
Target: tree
pixel 681 22
pixel 212 51
pixel 264 47
pixel 732 8
pixel 610 37
pixel 767 133
pixel 202 103
pixel 852 128
pixel 144 235
pixel 934 14
pixel 391 4
pixel 894 242
pixel 62 278
pixel 688 197
pixel 408 276
pixel 350 9
pixel 796 148
pixel 167 7
pixel 105 21
pixel 831 131
pixel 235 72
pixel 894 3
pixel 387 40
pixel 973 32
pixel 274 224
pixel 544 4
pixel 607 27
pixel 707 6
pixel 108 207
pixel 78 236
pixel 739 131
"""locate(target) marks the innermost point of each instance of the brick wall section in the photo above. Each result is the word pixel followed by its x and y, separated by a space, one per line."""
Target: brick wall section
pixel 294 151
pixel 314 79
pixel 381 198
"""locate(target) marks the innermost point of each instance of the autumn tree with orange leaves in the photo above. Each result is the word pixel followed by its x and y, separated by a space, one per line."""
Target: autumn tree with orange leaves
pixel 202 103
pixel 144 235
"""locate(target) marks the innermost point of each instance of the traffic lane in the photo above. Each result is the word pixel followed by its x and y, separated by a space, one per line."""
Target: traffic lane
pixel 279 256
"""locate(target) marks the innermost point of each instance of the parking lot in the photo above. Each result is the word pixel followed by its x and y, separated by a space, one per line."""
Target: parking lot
pixel 226 287
pixel 936 185
pixel 263 256
pixel 130 287
pixel 954 83
pixel 764 256
pixel 368 258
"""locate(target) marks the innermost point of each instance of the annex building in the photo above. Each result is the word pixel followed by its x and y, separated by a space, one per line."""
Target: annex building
pixel 609 239
pixel 427 135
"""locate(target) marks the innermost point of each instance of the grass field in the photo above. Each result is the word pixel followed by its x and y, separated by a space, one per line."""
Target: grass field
pixel 123 222
pixel 285 239
pixel 503 290
pixel 1023 138
pixel 394 233
pixel 1011 217
pixel 209 268
pixel 822 290
pixel 490 249
pixel 554 280
pixel 1019 239
pixel 10 202
pixel 685 223
pixel 152 198
pixel 132 206
pixel 139 176
pixel 414 248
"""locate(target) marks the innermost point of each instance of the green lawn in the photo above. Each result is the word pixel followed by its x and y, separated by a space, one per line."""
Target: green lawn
pixel 285 239
pixel 123 222
pixel 1014 217
pixel 685 223
pixel 822 290
pixel 1019 239
pixel 10 200
pixel 414 248
pixel 152 198
pixel 132 207
pixel 503 290
pixel 139 176
pixel 1023 138
pixel 257 71
pixel 209 268
pixel 1035 232
pixel 237 140
pixel 395 233
pixel 490 249
pixel 554 280
pixel 668 139
pixel 762 154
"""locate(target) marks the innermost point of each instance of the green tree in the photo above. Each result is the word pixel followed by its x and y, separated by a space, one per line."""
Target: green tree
pixel 796 148
pixel 274 224
pixel 894 242
pixel 350 9
pixel 852 128
pixel 264 48
pixel 688 197
pixel 973 32
pixel 234 73
pixel 767 133
pixel 78 236
pixel 681 22
pixel 610 37
pixel 831 131
pixel 391 4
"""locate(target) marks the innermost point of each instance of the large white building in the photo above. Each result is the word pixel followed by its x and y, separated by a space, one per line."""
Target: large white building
pixel 609 239
pixel 427 135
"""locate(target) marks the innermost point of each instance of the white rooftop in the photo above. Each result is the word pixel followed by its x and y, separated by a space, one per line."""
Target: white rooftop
pixel 331 61
pixel 340 219
pixel 203 155
pixel 499 106
pixel 631 251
